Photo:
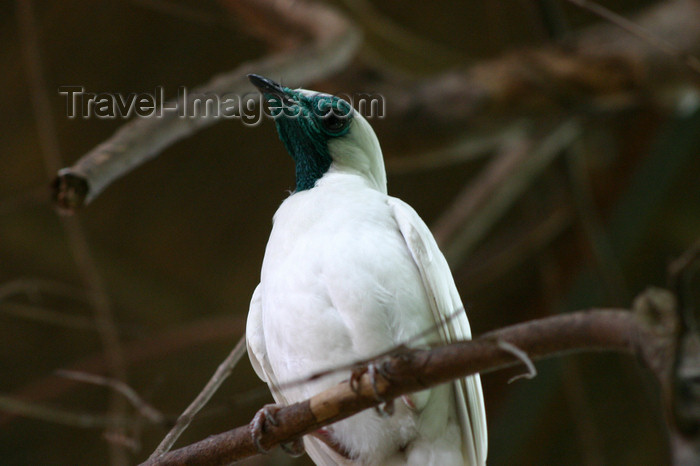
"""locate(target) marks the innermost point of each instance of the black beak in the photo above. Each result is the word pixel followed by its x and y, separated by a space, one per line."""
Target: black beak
pixel 267 86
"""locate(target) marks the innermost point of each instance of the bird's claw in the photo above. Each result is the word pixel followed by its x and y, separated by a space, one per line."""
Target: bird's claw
pixel 355 377
pixel 387 407
pixel 268 413
pixel 257 425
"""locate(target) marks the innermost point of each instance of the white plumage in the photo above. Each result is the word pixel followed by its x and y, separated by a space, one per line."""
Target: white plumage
pixel 348 273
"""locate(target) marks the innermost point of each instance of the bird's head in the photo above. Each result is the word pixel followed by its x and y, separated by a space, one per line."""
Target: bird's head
pixel 323 134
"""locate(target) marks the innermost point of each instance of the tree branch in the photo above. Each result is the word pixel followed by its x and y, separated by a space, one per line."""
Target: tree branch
pixel 482 202
pixel 222 373
pixel 333 44
pixel 602 67
pixel 142 406
pixel 599 69
pixel 75 234
pixel 648 332
pixel 138 352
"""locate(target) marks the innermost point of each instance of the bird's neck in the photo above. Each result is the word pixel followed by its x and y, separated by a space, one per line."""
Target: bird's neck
pixel 308 172
pixel 310 154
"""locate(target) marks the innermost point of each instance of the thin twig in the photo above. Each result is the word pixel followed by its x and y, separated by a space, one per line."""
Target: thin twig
pixel 598 238
pixel 73 229
pixel 476 99
pixel 510 249
pixel 57 415
pixel 475 194
pixel 146 410
pixel 466 149
pixel 130 443
pixel 166 343
pixel 522 355
pixel 398 36
pixel 221 374
pixel 334 43
pixel 692 62
pixel 689 257
pixel 47 316
pixel 435 328
pixel 39 286
pixel 414 370
pixel 482 203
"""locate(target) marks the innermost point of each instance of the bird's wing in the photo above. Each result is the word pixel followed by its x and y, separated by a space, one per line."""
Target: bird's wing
pixel 445 300
pixel 257 352
pixel 255 340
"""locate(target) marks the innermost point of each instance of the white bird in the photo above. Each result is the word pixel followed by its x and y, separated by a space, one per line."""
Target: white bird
pixel 350 272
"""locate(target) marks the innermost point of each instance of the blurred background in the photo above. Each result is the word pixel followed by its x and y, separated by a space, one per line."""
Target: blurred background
pixel 555 155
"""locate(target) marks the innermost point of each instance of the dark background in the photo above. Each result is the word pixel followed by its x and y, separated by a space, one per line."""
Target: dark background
pixel 178 242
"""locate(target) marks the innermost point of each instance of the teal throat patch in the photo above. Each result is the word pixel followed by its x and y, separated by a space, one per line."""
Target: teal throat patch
pixel 305 125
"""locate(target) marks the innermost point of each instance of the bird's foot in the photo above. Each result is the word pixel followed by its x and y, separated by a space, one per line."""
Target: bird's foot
pixel 387 407
pixel 257 425
pixel 268 414
pixel 355 377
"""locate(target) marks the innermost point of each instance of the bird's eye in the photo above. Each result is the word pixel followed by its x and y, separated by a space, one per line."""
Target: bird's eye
pixel 334 123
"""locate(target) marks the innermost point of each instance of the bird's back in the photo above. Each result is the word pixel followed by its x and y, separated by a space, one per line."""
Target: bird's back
pixel 338 285
pixel 337 278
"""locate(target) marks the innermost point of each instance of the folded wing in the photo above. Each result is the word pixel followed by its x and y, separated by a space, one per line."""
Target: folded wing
pixel 445 301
